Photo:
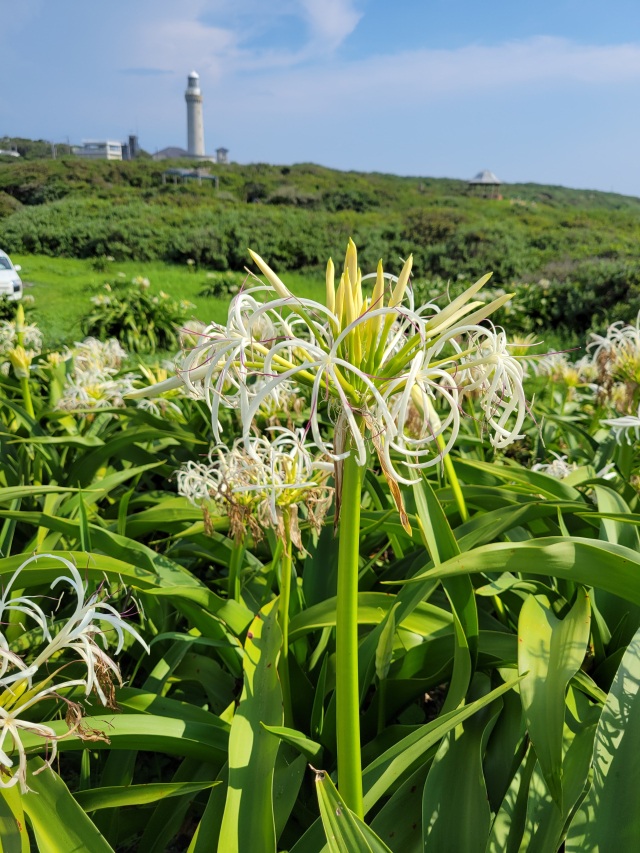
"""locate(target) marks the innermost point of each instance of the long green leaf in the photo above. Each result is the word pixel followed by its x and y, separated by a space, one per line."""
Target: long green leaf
pixel 399 821
pixel 59 824
pixel 345 832
pixel 550 652
pixel 372 608
pixel 443 546
pixel 11 493
pixel 385 770
pixel 458 766
pixel 248 821
pixel 508 826
pixel 205 838
pixel 609 818
pixel 137 795
pixel 534 481
pixel 13 829
pixel 144 731
pixel 545 824
pixel 295 738
pixel 587 561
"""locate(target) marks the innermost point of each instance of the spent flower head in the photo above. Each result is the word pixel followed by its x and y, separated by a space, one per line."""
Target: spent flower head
pixel 262 484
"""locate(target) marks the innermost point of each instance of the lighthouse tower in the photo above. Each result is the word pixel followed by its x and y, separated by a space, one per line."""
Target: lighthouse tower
pixel 195 125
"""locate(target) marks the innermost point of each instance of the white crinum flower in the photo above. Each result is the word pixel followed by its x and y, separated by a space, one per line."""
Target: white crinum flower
pixel 101 357
pixel 618 351
pixel 12 724
pixel 201 482
pixel 29 332
pixel 559 467
pixel 365 358
pixel 93 382
pixel 496 376
pixel 23 684
pixel 624 428
pixel 90 390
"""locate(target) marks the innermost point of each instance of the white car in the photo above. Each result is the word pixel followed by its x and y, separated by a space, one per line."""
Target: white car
pixel 10 283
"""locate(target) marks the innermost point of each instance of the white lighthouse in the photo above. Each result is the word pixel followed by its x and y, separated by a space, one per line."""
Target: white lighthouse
pixel 195 125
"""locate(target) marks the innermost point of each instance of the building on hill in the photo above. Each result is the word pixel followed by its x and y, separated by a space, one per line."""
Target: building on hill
pixel 170 153
pixel 98 149
pixel 222 155
pixel 186 175
pixel 486 181
pixel 130 148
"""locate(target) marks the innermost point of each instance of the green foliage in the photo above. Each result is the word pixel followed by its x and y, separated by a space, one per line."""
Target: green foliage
pixel 498 648
pixel 208 693
pixel 570 255
pixel 221 285
pixel 34 149
pixel 140 320
pixel 8 307
pixel 299 215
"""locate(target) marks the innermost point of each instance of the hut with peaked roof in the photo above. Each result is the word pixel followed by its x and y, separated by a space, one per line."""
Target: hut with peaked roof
pixel 487 182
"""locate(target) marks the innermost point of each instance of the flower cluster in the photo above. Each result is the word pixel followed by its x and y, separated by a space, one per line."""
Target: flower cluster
pixel 89 377
pixel 367 359
pixel 262 485
pixel 93 381
pixel 24 683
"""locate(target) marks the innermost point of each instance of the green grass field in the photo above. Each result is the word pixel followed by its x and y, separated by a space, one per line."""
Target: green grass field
pixel 62 288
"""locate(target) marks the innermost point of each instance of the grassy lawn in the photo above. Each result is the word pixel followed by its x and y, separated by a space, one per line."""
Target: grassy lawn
pixel 62 288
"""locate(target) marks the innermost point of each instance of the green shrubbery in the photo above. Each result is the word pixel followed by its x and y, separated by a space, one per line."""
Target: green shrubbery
pixel 498 642
pixel 143 322
pixel 572 256
pixel 221 285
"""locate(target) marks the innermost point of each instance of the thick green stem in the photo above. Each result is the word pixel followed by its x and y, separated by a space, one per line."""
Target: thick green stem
pixel 237 556
pixel 347 689
pixel 286 567
pixel 26 396
pixel 382 695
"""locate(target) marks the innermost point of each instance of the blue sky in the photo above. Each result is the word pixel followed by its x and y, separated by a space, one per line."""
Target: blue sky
pixel 544 91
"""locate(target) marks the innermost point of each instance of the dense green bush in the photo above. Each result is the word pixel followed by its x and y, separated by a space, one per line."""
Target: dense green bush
pixel 571 255
pixel 143 322
pixel 584 297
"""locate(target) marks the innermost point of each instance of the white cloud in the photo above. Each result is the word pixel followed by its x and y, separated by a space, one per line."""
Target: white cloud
pixel 226 37
pixel 413 78
pixel 330 21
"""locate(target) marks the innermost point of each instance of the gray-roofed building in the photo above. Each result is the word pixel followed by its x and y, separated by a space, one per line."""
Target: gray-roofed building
pixel 184 175
pixel 171 153
pixel 487 180
pixel 486 177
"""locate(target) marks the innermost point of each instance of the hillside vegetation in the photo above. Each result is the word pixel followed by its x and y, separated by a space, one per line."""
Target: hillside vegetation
pixel 582 245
